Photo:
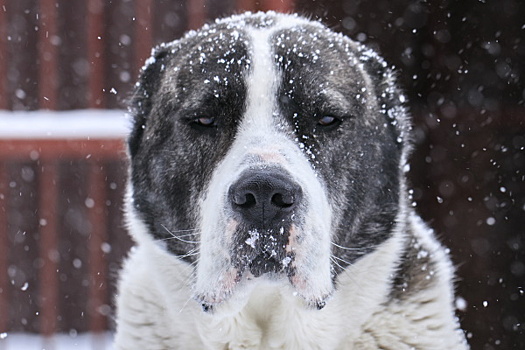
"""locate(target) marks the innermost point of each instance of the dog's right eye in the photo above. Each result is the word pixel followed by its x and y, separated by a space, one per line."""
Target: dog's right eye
pixel 204 121
pixel 329 121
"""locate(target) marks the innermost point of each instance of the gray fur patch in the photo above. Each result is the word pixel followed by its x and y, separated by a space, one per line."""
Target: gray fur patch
pixel 416 272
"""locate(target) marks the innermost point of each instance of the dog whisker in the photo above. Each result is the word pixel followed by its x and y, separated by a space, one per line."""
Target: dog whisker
pixel 340 259
pixel 193 252
pixel 353 248
pixel 334 259
pixel 186 235
pixel 192 231
pixel 184 305
pixel 336 263
pixel 179 237
pixel 190 280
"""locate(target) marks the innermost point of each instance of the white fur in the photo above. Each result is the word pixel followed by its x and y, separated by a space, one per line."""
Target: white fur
pixel 156 309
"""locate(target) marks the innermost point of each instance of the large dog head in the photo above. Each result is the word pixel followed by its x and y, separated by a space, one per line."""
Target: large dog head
pixel 267 146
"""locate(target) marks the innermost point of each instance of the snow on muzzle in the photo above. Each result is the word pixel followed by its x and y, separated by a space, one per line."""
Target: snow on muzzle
pixel 264 202
pixel 275 222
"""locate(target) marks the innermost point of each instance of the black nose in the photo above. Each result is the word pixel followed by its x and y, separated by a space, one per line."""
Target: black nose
pixel 264 198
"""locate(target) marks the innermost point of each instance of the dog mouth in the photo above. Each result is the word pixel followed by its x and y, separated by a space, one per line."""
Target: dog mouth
pixel 268 263
pixel 265 255
pixel 262 251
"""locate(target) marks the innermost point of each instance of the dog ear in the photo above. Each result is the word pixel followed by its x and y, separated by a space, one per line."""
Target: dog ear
pixel 145 89
pixel 390 97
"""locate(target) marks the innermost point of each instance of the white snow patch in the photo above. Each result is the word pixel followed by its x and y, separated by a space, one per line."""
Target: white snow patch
pixel 286 261
pixel 254 236
pixel 461 304
pixel 87 341
pixel 45 124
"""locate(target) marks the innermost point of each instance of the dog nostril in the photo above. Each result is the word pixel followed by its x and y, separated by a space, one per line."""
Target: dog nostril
pixel 282 201
pixel 245 200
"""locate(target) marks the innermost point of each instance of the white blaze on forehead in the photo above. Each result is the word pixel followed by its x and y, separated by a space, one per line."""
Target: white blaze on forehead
pixel 264 78
pixel 262 83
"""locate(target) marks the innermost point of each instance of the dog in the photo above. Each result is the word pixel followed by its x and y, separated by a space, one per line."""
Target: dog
pixel 268 199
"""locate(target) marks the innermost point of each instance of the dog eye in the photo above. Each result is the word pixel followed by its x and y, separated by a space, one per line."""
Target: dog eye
pixel 328 120
pixel 205 121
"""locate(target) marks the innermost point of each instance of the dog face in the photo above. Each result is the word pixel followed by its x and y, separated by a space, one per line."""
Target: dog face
pixel 267 146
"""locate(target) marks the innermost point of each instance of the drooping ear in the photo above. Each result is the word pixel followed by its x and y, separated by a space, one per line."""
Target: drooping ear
pixel 390 97
pixel 145 90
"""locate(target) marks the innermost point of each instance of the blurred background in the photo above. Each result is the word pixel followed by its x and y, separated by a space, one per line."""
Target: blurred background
pixel 68 66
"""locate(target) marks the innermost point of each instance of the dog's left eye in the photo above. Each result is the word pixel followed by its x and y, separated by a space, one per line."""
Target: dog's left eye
pixel 205 121
pixel 328 120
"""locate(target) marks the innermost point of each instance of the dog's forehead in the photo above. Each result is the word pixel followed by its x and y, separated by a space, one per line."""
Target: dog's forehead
pixel 227 44
pixel 212 51
pixel 296 47
pixel 304 58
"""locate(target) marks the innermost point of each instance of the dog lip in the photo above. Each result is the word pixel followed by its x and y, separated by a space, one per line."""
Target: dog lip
pixel 207 307
pixel 209 301
pixel 264 255
pixel 321 304
pixel 264 263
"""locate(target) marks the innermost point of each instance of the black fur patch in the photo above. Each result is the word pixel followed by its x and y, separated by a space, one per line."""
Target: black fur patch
pixel 358 159
pixel 416 272
pixel 173 156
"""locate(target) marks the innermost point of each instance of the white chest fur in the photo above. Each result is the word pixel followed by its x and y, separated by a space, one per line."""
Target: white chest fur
pixel 156 310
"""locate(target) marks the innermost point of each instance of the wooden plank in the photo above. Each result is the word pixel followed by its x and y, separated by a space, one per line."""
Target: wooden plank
pixel 246 5
pixel 4 251
pixel 285 6
pixel 73 54
pixel 22 54
pixel 53 149
pixel 4 98
pixel 49 255
pixel 170 20
pixel 196 10
pixel 143 32
pixel 48 55
pixel 95 51
pixel 98 291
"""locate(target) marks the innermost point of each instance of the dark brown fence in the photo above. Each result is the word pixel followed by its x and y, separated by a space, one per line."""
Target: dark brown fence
pixel 62 233
pixel 86 54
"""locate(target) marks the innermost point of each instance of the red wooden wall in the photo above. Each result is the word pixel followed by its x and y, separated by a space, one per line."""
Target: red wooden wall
pixel 61 231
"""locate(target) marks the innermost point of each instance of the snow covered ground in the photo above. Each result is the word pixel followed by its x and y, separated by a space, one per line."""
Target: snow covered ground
pixel 18 341
pixel 88 123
